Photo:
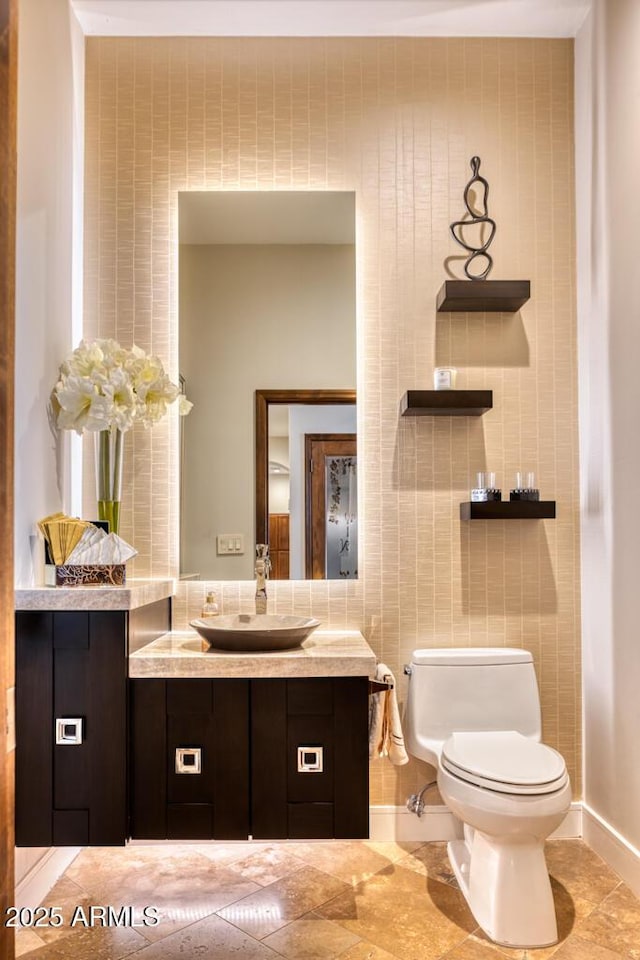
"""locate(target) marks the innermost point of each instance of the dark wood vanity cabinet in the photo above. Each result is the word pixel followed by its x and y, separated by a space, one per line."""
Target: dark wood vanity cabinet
pixel 263 758
pixel 71 722
pixel 101 757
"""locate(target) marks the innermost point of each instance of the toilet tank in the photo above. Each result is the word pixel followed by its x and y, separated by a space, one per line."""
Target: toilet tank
pixel 468 689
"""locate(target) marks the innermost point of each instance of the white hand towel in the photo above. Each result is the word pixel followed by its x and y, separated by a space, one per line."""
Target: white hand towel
pixel 385 730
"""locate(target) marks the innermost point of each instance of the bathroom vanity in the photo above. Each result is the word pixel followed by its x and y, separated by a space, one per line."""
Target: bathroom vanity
pixel 128 730
pixel 283 734
pixel 72 646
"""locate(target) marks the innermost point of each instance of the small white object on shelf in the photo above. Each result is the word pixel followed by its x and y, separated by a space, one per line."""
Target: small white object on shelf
pixel 444 378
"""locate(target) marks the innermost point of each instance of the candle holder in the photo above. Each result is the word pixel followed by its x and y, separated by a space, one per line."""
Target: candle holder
pixel 524 487
pixel 485 489
pixel 444 378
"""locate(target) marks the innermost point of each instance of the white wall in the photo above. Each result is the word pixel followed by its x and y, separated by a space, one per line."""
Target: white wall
pixel 251 317
pixel 48 269
pixel 607 151
pixel 49 243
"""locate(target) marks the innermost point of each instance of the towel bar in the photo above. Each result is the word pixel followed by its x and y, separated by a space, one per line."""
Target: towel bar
pixel 378 686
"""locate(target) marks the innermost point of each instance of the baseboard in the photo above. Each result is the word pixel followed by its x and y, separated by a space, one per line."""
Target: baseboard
pixel 38 881
pixel 397 823
pixel 571 826
pixel 437 823
pixel 612 847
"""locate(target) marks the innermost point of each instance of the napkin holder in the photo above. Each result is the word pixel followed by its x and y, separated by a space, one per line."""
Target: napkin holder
pixel 87 575
pixel 83 575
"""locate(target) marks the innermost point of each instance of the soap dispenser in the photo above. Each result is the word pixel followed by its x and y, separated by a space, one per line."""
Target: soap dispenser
pixel 210 606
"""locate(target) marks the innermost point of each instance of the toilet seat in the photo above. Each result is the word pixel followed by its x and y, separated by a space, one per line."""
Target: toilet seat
pixel 504 761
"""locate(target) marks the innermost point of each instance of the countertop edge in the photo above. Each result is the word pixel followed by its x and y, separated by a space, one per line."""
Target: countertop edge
pixel 136 593
pixel 332 653
pixel 288 669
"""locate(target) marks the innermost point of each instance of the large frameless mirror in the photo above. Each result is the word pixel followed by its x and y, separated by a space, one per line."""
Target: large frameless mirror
pixel 268 309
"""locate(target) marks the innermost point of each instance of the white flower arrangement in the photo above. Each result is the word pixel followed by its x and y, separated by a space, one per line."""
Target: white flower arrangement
pixel 103 385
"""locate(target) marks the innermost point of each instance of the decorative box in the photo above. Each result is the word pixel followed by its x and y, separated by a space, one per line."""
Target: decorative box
pixel 89 575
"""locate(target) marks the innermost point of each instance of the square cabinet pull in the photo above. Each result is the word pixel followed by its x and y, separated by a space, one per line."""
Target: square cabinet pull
pixel 68 731
pixel 188 760
pixel 309 759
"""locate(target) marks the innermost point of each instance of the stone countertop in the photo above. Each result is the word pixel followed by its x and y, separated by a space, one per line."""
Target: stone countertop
pixel 326 653
pixel 135 593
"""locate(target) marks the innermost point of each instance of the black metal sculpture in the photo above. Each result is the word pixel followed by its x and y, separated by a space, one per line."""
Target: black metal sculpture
pixel 474 219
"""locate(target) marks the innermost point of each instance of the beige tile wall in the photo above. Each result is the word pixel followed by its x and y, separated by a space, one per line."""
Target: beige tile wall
pixel 397 120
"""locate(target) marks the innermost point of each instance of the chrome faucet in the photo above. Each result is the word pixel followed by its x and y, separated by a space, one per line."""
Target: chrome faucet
pixel 263 565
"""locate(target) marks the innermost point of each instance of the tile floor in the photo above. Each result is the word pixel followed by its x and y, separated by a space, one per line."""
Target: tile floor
pixel 360 900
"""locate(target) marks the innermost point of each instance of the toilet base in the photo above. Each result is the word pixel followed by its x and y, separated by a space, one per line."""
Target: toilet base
pixel 506 885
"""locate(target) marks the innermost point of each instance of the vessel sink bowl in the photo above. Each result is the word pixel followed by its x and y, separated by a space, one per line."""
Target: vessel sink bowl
pixel 249 632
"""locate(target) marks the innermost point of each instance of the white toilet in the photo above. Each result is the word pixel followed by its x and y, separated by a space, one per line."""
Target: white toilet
pixel 474 714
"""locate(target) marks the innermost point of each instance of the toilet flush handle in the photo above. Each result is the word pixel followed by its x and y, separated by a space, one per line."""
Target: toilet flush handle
pixel 407 670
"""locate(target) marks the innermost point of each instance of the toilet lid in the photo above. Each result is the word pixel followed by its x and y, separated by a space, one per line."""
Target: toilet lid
pixel 505 761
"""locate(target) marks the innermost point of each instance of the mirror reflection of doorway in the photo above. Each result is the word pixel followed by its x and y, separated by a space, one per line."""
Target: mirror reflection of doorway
pixel 279 546
pixel 283 419
pixel 331 508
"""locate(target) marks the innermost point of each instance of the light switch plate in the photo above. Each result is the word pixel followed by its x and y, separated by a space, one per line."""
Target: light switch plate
pixel 230 544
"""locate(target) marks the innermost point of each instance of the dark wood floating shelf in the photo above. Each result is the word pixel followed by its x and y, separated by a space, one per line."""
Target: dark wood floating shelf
pixel 446 403
pixel 508 510
pixel 505 296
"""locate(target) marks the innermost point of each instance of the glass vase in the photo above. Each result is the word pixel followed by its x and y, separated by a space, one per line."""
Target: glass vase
pixel 109 458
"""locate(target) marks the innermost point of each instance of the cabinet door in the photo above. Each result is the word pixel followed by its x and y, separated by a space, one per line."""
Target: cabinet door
pixel 309 758
pixel 71 717
pixel 190 759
